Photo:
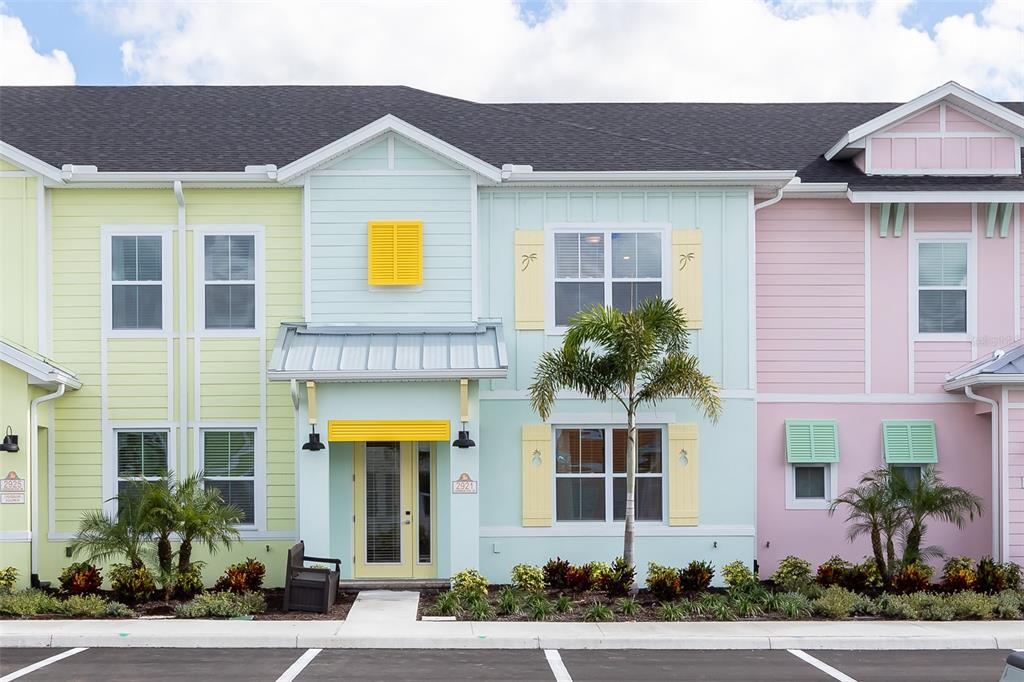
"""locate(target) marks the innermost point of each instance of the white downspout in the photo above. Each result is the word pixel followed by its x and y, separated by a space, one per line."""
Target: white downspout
pixel 768 202
pixel 33 439
pixel 179 197
pixel 996 502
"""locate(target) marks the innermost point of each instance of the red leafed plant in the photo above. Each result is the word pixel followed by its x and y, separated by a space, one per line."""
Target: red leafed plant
pixel 81 578
pixel 245 576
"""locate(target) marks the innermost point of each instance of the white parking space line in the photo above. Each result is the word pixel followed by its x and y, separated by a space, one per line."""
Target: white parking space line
pixel 558 668
pixel 299 665
pixel 822 666
pixel 41 664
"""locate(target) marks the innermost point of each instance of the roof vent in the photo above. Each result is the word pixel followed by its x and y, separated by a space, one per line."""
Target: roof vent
pixel 70 169
pixel 507 169
pixel 269 168
pixel 998 353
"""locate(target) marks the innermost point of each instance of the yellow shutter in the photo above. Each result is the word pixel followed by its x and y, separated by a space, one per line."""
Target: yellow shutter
pixel 538 474
pixel 395 253
pixel 529 268
pixel 683 475
pixel 686 275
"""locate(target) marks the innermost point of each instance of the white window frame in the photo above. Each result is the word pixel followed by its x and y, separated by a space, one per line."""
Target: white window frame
pixel 200 233
pixel 110 476
pixel 966 238
pixel 259 521
pixel 107 232
pixel 550 229
pixel 609 475
pixel 831 485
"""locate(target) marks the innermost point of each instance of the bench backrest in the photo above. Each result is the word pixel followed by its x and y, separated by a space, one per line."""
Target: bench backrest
pixel 296 555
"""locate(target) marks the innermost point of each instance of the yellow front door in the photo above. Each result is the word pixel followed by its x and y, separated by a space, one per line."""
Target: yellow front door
pixel 395 510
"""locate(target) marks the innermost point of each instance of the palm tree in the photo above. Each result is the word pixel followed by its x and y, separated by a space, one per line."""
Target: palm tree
pixel 930 497
pixel 102 536
pixel 636 358
pixel 873 511
pixel 203 517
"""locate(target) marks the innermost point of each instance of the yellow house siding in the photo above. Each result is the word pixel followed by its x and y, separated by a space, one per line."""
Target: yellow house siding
pixel 137 384
pixel 19 211
pixel 229 379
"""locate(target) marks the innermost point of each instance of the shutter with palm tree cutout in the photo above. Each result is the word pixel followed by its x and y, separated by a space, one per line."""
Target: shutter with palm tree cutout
pixel 687 291
pixel 538 473
pixel 683 463
pixel 529 269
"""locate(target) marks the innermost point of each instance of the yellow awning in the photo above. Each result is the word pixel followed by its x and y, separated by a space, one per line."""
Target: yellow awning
pixel 355 430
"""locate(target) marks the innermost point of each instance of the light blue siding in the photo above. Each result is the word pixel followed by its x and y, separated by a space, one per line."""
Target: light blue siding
pixel 371 156
pixel 340 208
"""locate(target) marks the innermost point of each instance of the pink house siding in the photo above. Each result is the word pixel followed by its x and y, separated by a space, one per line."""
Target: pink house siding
pixel 810 297
pixel 1016 482
pixel 933 360
pixel 890 308
pixel 995 289
pixel 925 122
pixel 964 458
pixel 942 218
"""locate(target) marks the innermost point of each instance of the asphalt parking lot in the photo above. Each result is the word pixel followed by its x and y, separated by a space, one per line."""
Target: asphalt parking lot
pixel 124 664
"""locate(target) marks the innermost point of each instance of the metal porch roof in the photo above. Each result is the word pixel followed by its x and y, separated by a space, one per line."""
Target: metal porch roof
pixel 355 353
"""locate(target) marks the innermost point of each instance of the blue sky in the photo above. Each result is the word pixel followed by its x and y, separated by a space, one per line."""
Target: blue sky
pixel 94 48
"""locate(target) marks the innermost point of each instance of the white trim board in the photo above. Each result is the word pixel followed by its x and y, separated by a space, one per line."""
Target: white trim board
pixel 584 529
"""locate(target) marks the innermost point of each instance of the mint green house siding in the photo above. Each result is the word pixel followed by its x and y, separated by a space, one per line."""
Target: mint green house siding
pixel 390 180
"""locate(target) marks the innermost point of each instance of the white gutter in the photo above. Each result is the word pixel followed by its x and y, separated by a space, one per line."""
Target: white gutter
pixel 33 439
pixel 758 177
pixel 933 196
pixel 985 379
pixel 996 501
pixel 179 197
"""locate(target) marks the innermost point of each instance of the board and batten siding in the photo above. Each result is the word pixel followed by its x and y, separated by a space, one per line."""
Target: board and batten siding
pixel 404 183
pixel 722 216
pixel 19 212
pixel 1016 476
pixel 810 297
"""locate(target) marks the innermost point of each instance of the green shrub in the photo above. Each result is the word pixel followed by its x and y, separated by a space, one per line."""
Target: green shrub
pixel 663 582
pixel 245 576
pixel 8 578
pixel 895 606
pixel 116 609
pixel 80 578
pixel 793 605
pixel 958 574
pixel 619 578
pixel 833 571
pixel 563 604
pixel 931 606
pixel 671 611
pixel 747 605
pixel 477 608
pixel 190 581
pixel 540 609
pixel 737 574
pixel 836 603
pixel 716 606
pixel 597 613
pixel 697 576
pixel 972 606
pixel 628 606
pixel 528 578
pixel 1009 605
pixel 469 584
pixel 597 570
pixel 910 578
pixel 223 605
pixel 863 577
pixel 131 585
pixel 508 602
pixel 447 604
pixel 28 603
pixel 792 573
pixel 555 572
pixel 993 577
pixel 85 606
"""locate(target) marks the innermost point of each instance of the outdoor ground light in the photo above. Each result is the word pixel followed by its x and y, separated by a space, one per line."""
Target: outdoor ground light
pixel 314 440
pixel 10 443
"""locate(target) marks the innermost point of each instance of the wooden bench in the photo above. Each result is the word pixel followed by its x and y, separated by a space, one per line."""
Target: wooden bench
pixel 309 588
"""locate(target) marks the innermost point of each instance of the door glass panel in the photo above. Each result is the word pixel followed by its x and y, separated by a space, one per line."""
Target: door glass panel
pixel 423 500
pixel 383 503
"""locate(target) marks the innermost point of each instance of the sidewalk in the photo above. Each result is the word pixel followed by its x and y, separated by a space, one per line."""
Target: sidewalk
pixel 525 635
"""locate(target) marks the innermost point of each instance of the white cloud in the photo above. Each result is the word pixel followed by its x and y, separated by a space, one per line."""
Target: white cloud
pixel 740 50
pixel 21 64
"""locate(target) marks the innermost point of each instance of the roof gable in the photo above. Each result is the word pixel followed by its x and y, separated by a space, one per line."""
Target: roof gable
pixel 916 113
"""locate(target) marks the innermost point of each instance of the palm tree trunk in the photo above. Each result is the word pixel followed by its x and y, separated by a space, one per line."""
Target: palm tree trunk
pixel 629 539
pixel 184 554
pixel 876 549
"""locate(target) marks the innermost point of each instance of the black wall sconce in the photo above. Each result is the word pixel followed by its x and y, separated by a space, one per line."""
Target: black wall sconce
pixel 313 443
pixel 10 443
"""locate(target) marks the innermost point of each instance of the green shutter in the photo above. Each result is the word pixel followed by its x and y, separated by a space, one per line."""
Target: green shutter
pixel 909 441
pixel 812 440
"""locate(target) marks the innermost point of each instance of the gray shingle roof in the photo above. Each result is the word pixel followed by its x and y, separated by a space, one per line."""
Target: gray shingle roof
pixel 336 353
pixel 204 128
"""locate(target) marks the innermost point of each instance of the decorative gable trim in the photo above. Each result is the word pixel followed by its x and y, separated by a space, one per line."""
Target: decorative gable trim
pixel 382 125
pixel 954 93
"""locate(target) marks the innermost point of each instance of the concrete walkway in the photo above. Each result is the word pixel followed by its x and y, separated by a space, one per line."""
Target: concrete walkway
pixel 384 606
pixel 520 635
